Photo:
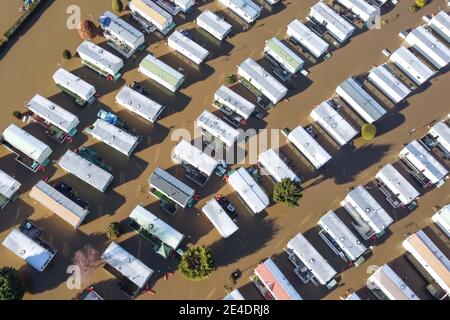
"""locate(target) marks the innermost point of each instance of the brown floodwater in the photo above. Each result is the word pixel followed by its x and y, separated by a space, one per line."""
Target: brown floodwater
pixel 28 65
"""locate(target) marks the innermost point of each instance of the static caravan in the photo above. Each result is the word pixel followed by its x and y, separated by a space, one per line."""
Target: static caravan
pixel 219 218
pixel 133 274
pixel 171 188
pixel 150 16
pixel 227 98
pixel 160 72
pixel 214 25
pixel 352 296
pixel 247 10
pixel 217 129
pixel 440 23
pixel 184 5
pixel 442 219
pixel 338 27
pixel 64 205
pixel 360 100
pixel 429 46
pixel 277 51
pixel 123 37
pixel 341 239
pixel 387 285
pixel 385 80
pixel 199 166
pixel 307 38
pixel 249 190
pixel 333 123
pixel 309 263
pixel 272 284
pixel 86 171
pixel 165 239
pixel 81 91
pixel 259 78
pixel 31 152
pixel 114 137
pixel 58 122
pixel 430 257
pixel 411 65
pixel 8 188
pixel 139 104
pixel 365 11
pixel 35 252
pixel 187 47
pixel 398 191
pixel 371 219
pixel 441 132
pixel 234 295
pixel 425 168
pixel 100 60
pixel 272 163
pixel 309 147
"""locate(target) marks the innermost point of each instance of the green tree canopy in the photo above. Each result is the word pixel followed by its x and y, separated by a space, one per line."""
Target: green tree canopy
pixel 117 6
pixel 421 3
pixel 114 231
pixel 11 286
pixel 287 191
pixel 197 263
pixel 368 131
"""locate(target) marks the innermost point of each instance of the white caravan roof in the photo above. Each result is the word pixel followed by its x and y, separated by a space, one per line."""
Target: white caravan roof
pixel 74 84
pixel 423 161
pixel 139 104
pixel 85 170
pixel 441 24
pixel 234 101
pixel 215 25
pixel 8 185
pixel 360 200
pixel 122 30
pixel 361 8
pixel 430 257
pixel 26 143
pixel 411 65
pixel 187 47
pixel 335 24
pixel 262 80
pixel 275 166
pixel 385 80
pixel 53 113
pixel 429 46
pixel 114 137
pixel 360 101
pixel 188 153
pixel 246 9
pixel 307 38
pixel 399 186
pixel 343 236
pixel 219 218
pixel 27 249
pixel 391 284
pixel 249 190
pixel 127 265
pixel 99 57
pixel 218 128
pixel 442 219
pixel 285 56
pixel 333 123
pixel 234 295
pixel 441 132
pixel 312 259
pixel 309 147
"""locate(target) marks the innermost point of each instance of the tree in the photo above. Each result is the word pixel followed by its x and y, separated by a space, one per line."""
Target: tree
pixel 368 131
pixel 17 114
pixel 11 286
pixel 231 78
pixel 421 3
pixel 88 30
pixel 197 263
pixel 287 191
pixel 67 55
pixel 117 6
pixel 87 260
pixel 113 231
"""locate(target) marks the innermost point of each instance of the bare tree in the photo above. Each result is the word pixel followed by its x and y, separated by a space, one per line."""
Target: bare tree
pixel 87 259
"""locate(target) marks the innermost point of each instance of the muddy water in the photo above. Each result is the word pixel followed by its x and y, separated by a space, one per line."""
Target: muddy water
pixel 27 67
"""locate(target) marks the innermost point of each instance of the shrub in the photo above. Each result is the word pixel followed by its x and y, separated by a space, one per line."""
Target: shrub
pixel 17 114
pixel 11 286
pixel 232 78
pixel 421 3
pixel 197 263
pixel 117 6
pixel 414 8
pixel 88 30
pixel 287 191
pixel 113 231
pixel 67 55
pixel 368 132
